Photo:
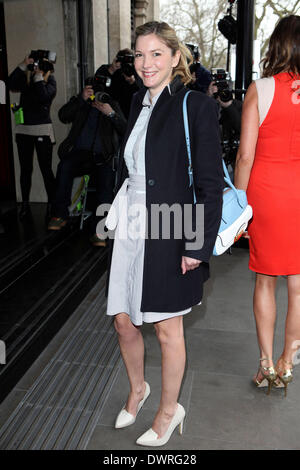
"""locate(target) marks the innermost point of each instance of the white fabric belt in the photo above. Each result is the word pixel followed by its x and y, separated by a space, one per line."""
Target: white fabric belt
pixel 135 182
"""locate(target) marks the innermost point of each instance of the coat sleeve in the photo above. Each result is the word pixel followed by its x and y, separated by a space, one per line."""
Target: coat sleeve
pixel 207 171
pixel 45 91
pixel 17 80
pixel 68 112
pixel 122 171
pixel 232 116
pixel 118 121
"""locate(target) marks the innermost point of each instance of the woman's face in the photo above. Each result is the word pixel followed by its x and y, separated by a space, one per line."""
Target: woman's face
pixel 154 62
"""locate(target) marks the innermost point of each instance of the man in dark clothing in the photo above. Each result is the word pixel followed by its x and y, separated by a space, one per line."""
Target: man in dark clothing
pixel 201 78
pixel 123 85
pixel 230 122
pixel 231 112
pixel 89 148
pixel 38 89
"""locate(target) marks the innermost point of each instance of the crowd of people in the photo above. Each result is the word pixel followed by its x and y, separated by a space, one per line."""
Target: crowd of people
pixel 93 142
pixel 154 279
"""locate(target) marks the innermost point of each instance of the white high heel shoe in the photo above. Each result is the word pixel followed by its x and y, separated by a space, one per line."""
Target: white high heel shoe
pixel 126 419
pixel 149 438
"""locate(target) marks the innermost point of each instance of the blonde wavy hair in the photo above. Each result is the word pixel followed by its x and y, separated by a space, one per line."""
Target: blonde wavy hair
pixel 168 36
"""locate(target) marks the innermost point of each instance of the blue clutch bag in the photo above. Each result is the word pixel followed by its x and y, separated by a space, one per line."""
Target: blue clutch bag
pixel 236 212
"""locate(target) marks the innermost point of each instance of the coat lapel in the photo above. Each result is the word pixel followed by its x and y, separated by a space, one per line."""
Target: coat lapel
pixel 167 93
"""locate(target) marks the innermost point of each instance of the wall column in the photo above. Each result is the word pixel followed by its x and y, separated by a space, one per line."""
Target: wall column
pixel 119 26
pixel 140 13
pixel 100 24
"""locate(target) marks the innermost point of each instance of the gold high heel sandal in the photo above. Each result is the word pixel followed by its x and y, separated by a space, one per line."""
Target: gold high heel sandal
pixel 269 375
pixel 287 376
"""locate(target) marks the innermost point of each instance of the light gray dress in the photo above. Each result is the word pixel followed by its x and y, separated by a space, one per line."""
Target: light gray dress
pixel 126 274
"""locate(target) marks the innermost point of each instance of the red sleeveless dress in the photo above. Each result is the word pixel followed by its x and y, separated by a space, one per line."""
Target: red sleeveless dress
pixel 274 186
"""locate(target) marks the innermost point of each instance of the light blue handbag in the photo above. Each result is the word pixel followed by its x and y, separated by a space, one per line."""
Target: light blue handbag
pixel 236 211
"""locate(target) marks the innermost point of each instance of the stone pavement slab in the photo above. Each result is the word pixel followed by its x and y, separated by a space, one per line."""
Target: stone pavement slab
pixel 224 410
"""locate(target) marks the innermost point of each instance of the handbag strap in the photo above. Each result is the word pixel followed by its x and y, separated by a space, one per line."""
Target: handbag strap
pixel 229 182
pixel 188 146
pixel 190 167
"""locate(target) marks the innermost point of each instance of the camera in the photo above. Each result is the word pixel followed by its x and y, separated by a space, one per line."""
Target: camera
pixel 194 51
pixel 127 61
pixel 222 81
pixel 99 83
pixel 38 57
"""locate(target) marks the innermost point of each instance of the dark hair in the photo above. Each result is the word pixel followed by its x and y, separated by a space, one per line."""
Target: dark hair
pixel 126 51
pixel 284 48
pixel 170 39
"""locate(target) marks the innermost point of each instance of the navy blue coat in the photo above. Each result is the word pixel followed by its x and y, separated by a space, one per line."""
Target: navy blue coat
pixel 165 288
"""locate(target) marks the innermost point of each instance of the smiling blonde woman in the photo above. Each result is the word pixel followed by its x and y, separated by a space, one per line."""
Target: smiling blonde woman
pixel 157 280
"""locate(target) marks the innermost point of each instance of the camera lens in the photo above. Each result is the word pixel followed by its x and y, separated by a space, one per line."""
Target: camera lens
pixel 102 96
pixel 225 95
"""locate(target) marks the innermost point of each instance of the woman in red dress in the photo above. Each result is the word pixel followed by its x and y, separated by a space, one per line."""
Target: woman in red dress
pixel 268 168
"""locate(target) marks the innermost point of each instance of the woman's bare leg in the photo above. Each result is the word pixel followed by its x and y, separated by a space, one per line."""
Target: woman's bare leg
pixel 132 350
pixel 292 324
pixel 264 306
pixel 171 338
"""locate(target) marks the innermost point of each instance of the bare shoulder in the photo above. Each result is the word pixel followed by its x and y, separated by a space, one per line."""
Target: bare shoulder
pixel 251 94
pixel 250 114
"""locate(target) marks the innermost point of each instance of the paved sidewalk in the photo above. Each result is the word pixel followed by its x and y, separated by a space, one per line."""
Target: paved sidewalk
pixel 223 409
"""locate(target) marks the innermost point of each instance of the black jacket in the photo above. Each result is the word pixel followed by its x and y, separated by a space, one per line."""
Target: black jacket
pixel 120 89
pixel 231 118
pixel 36 98
pixel 165 288
pixel 111 129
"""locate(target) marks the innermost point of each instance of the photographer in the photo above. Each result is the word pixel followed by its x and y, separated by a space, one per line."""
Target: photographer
pixel 201 76
pixel 34 79
pixel 230 113
pixel 90 147
pixel 231 109
pixel 124 80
